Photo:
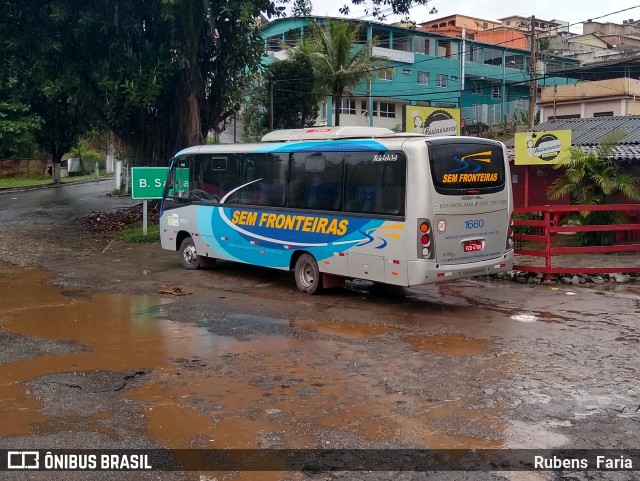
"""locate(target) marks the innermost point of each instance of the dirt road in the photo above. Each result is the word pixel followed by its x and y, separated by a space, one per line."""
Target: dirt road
pixel 113 345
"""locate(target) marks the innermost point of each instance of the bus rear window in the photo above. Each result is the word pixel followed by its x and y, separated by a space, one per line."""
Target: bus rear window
pixel 460 167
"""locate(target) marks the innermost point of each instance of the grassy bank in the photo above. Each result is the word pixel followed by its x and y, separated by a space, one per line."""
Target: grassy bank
pixel 14 182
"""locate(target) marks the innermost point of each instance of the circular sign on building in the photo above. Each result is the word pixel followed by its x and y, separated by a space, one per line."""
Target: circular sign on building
pixel 547 147
pixel 440 122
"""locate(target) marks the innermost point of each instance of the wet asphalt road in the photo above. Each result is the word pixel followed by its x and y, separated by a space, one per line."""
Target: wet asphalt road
pixel 60 202
pixel 96 349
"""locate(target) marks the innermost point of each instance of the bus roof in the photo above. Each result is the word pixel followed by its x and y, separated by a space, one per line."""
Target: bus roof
pixel 331 133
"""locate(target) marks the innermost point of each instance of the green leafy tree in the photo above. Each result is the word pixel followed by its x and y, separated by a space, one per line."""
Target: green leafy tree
pixel 381 8
pixel 289 86
pixel 301 8
pixel 339 60
pixel 295 105
pixel 255 112
pixel 38 41
pixel 18 126
pixel 174 70
pixel 589 178
pixel 160 74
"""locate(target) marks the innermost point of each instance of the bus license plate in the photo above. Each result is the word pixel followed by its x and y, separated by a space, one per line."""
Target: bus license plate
pixel 472 246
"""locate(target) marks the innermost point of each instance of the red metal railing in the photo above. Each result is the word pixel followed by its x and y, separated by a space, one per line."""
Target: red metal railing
pixel 548 225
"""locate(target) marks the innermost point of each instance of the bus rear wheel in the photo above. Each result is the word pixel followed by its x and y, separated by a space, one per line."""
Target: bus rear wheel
pixel 307 274
pixel 189 258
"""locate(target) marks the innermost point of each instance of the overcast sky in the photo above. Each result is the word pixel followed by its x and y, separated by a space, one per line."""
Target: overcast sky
pixel 572 11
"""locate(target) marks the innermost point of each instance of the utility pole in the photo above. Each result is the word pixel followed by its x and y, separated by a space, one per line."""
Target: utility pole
pixel 533 87
pixel 270 104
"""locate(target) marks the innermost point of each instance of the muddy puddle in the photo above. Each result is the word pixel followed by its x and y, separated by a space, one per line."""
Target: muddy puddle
pixel 307 384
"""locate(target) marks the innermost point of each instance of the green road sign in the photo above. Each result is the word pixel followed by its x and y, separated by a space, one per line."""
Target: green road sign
pixel 148 182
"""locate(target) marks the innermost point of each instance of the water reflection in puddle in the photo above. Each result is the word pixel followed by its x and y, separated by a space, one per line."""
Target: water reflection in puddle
pixel 251 390
pixel 449 345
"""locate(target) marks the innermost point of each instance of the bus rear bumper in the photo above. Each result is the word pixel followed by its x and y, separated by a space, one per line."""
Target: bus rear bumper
pixel 426 272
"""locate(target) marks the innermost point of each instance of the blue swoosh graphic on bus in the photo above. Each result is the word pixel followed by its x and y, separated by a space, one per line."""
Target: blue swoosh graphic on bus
pixel 465 165
pixel 369 239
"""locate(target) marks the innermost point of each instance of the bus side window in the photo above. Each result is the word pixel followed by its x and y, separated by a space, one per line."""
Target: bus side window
pixel 361 191
pixel 316 181
pixel 263 177
pixel 375 187
pixel 361 198
pixel 392 200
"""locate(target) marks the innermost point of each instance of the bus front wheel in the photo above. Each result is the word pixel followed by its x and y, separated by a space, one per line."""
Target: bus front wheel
pixel 307 274
pixel 188 256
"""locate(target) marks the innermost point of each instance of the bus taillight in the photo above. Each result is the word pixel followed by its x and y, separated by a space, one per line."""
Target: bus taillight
pixel 425 250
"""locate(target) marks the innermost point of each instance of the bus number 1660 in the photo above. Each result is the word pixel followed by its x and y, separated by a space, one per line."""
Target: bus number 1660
pixel 474 224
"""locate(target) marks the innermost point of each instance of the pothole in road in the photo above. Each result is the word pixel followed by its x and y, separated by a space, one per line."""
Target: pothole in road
pixel 270 388
pixel 343 329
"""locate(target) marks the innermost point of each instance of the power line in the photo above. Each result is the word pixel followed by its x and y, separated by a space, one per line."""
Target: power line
pixel 436 96
pixel 500 43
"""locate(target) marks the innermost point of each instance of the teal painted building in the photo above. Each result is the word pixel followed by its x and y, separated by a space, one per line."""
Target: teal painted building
pixel 489 83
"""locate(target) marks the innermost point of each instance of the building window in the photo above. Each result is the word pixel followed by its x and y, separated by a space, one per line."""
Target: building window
pixel 274 44
pixel 385 73
pixel 421 45
pixel 514 61
pixel 447 49
pixel 441 80
pixel 603 114
pixel 402 42
pixel 495 92
pixel 493 57
pixel 387 110
pixel 347 106
pixel 473 54
pixel 365 108
pixel 423 78
pixel 383 35
pixel 476 89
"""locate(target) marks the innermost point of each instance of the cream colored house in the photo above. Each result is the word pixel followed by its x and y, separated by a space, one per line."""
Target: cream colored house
pixel 601 98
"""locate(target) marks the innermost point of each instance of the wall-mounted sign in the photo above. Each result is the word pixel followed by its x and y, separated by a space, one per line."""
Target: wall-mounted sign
pixel 432 121
pixel 542 148
pixel 395 55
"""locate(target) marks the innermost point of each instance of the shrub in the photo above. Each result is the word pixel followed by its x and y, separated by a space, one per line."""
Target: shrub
pixel 525 229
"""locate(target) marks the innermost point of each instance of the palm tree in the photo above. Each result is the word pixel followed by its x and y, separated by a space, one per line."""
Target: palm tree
pixel 588 179
pixel 340 61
